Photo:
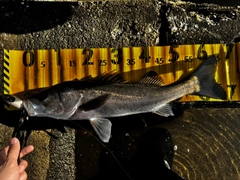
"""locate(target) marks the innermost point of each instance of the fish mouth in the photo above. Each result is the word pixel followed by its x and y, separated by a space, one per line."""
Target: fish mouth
pixel 13 100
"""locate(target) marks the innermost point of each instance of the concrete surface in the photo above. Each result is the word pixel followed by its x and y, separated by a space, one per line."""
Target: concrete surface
pixel 205 139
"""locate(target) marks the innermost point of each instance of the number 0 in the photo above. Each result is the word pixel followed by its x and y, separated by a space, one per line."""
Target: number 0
pixel 28 58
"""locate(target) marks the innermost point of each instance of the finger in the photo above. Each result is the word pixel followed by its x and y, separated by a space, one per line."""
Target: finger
pixel 23 175
pixel 26 150
pixel 4 151
pixel 3 155
pixel 14 150
pixel 22 166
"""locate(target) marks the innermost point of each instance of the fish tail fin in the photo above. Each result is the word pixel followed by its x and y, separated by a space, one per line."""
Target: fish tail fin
pixel 205 75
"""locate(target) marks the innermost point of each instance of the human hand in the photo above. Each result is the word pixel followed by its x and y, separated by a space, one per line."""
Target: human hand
pixel 9 167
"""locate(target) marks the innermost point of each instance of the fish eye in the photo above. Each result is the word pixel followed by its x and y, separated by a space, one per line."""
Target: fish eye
pixel 9 98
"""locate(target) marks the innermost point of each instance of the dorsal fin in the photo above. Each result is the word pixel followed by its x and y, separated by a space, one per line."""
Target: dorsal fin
pixel 109 77
pixel 152 78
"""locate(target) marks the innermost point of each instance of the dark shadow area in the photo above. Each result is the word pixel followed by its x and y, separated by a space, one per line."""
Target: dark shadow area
pixel 127 133
pixel 164 31
pixel 153 148
pixel 236 39
pixel 26 17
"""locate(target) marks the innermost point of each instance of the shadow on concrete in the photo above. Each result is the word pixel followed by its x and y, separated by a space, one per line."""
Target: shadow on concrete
pixel 26 17
pixel 153 146
pixel 126 144
pixel 164 31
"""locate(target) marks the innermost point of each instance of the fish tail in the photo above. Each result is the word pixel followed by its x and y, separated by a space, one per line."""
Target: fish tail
pixel 207 84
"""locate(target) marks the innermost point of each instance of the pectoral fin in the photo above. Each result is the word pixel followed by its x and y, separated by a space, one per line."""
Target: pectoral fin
pixel 102 127
pixel 165 110
pixel 94 103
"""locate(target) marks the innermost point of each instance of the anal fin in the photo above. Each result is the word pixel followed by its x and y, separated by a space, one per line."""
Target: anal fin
pixel 165 110
pixel 102 127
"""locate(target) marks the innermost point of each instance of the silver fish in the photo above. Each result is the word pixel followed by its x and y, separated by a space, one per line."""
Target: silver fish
pixel 109 96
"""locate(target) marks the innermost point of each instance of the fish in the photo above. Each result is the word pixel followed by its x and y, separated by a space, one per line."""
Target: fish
pixel 109 95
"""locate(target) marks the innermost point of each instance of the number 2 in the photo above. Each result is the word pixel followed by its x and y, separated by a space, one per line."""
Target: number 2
pixel 89 54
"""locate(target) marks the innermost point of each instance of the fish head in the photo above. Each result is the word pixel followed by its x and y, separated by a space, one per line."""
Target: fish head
pixel 53 104
pixel 47 103
pixel 13 101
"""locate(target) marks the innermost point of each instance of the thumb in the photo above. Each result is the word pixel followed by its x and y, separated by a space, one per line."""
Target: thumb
pixel 14 149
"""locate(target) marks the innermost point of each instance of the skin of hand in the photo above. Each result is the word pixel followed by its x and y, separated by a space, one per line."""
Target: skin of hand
pixel 9 167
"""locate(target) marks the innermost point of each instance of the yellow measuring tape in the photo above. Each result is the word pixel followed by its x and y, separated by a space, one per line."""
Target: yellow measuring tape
pixel 30 69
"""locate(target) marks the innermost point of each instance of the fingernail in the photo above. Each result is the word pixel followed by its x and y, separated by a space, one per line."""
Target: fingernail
pixel 14 141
